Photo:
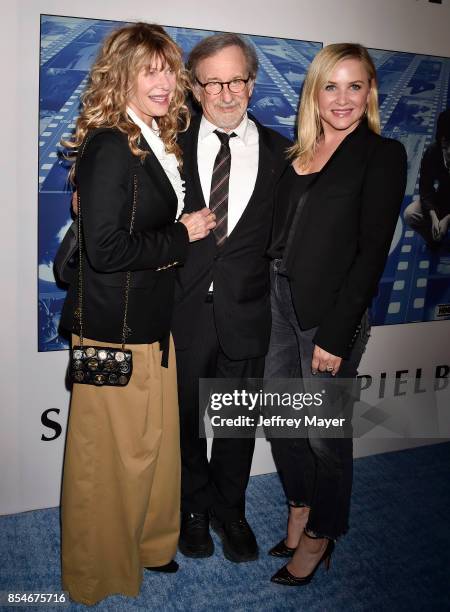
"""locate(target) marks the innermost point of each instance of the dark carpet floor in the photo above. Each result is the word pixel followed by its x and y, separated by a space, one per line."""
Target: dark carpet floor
pixel 396 555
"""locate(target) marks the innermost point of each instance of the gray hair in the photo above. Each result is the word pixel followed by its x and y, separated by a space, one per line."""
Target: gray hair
pixel 211 45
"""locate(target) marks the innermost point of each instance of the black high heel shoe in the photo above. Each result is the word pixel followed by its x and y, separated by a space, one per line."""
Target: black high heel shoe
pixel 168 568
pixel 284 576
pixel 282 550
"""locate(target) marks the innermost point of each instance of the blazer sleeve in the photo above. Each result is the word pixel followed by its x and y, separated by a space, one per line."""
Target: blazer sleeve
pixel 382 196
pixel 103 183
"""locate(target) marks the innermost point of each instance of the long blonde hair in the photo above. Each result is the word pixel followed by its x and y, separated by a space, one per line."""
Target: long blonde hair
pixel 309 124
pixel 103 104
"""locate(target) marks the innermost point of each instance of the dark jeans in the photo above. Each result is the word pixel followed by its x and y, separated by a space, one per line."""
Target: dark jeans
pixel 315 471
pixel 217 485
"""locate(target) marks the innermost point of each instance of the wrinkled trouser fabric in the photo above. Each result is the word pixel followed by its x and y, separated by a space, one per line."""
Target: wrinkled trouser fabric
pixel 120 506
pixel 315 471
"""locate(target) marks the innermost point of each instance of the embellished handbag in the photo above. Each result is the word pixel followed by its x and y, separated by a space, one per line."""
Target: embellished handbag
pixel 101 365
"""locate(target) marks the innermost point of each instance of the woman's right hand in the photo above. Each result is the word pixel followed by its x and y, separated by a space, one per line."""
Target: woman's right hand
pixel 199 223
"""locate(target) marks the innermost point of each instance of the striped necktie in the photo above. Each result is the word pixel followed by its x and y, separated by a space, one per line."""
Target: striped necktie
pixel 218 198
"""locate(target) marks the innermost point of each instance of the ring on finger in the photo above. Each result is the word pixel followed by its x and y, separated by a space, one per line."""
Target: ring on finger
pixel 330 368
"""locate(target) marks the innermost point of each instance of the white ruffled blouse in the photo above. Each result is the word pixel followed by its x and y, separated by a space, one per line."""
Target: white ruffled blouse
pixel 167 160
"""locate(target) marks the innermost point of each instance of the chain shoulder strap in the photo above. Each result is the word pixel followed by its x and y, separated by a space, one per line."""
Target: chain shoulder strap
pixel 79 312
pixel 125 329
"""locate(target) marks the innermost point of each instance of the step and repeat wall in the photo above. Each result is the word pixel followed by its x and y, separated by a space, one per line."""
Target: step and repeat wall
pixel 407 363
pixel 413 90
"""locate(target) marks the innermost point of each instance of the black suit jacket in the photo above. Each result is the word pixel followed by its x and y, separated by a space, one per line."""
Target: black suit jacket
pixel 340 239
pixel 105 178
pixel 239 268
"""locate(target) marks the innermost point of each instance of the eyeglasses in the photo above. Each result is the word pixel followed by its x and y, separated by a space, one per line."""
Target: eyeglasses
pixel 215 87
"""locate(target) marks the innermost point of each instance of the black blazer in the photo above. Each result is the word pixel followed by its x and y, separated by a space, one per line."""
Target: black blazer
pixel 105 183
pixel 240 267
pixel 339 242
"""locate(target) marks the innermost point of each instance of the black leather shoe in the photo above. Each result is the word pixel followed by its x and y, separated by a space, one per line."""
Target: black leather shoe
pixel 238 540
pixel 195 540
pixel 168 568
pixel 281 550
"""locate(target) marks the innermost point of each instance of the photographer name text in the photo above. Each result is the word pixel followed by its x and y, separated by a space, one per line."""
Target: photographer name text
pixel 276 421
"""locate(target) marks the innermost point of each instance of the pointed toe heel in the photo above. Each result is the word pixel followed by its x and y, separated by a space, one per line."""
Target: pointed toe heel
pixel 284 576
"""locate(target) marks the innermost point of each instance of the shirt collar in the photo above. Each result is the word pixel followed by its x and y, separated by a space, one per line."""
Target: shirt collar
pixel 151 134
pixel 207 128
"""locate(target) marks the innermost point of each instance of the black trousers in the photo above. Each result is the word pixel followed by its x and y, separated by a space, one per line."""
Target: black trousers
pixel 217 485
pixel 315 471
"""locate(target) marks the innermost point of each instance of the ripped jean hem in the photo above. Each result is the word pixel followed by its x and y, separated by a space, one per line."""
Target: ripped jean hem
pixel 296 504
pixel 318 535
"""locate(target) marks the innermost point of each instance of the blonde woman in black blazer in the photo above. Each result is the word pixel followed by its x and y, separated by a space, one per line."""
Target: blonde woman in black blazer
pixel 121 486
pixel 337 205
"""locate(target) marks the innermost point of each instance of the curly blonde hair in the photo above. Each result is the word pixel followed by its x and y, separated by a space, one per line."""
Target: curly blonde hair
pixel 103 104
pixel 309 123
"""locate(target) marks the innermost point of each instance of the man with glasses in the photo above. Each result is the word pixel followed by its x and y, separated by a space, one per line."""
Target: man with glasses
pixel 221 322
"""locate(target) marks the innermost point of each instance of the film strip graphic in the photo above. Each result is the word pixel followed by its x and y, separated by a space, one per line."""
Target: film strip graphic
pixel 409 288
pixel 278 79
pixel 68 48
pixel 64 69
pixel 412 297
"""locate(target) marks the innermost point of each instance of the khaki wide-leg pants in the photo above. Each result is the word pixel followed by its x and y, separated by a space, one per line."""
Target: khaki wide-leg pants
pixel 120 506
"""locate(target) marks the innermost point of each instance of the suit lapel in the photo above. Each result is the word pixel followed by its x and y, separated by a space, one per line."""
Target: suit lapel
pixel 189 144
pixel 158 176
pixel 343 162
pixel 264 179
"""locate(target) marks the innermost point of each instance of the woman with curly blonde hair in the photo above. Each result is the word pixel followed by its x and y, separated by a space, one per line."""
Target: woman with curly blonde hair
pixel 120 503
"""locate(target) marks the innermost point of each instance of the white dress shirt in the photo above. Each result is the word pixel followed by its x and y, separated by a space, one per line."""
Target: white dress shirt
pixel 244 149
pixel 168 161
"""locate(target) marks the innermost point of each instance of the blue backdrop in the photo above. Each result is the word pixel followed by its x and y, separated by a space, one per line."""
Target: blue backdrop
pixel 413 88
